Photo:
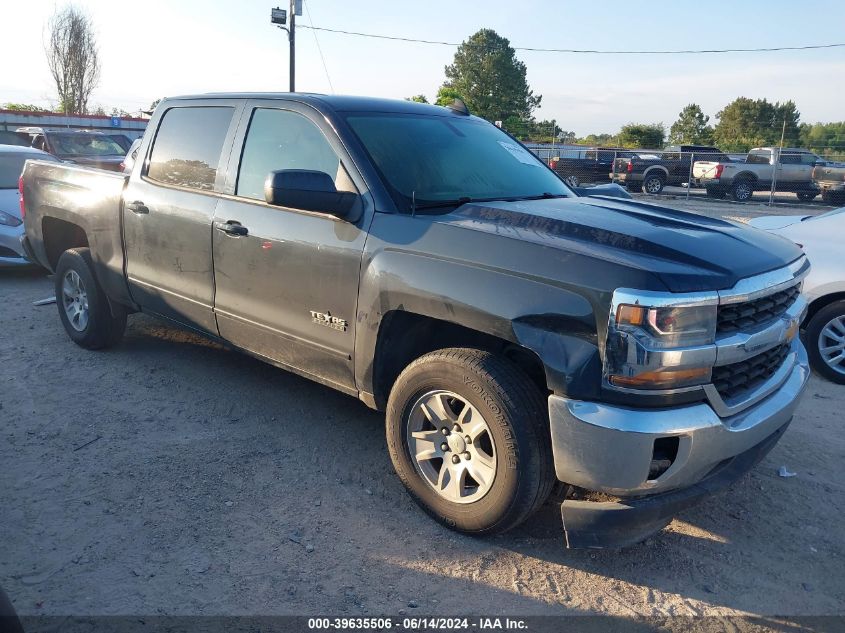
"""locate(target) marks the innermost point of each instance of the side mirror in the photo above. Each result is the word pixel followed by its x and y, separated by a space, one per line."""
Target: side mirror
pixel 310 191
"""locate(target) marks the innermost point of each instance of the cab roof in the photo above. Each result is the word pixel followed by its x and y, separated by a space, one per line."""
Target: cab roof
pixel 338 103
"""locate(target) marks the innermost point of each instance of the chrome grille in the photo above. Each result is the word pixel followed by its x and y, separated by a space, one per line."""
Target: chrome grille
pixel 737 317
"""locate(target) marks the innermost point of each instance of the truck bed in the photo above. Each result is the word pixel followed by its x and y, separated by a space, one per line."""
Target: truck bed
pixel 78 200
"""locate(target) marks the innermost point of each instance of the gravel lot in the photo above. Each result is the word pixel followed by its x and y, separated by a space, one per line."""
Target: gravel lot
pixel 171 476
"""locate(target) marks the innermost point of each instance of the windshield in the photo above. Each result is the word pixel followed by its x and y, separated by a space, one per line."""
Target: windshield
pixel 76 144
pixel 11 166
pixel 437 159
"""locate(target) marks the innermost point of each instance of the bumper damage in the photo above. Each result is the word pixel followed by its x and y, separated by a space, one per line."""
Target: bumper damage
pixel 622 452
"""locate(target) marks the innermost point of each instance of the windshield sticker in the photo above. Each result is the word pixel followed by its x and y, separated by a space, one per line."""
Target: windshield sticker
pixel 519 153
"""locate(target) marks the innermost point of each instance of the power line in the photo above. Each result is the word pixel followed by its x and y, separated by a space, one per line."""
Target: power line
pixel 319 49
pixel 585 51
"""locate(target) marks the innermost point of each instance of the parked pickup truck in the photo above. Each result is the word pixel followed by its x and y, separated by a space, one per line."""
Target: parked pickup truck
pixel 592 165
pixel 790 168
pixel 525 342
pixel 830 180
pixel 651 172
pixel 82 147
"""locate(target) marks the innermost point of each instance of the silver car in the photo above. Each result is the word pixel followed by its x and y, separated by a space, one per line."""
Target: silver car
pixel 821 238
pixel 12 160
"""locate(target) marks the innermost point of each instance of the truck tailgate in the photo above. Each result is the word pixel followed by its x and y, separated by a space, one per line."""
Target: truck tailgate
pixel 704 169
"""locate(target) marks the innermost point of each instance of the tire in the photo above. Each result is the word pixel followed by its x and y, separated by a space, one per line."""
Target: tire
pixel 654 183
pixel 572 180
pixel 821 333
pixel 742 191
pixel 490 392
pixel 718 194
pixel 833 197
pixel 806 196
pixel 83 307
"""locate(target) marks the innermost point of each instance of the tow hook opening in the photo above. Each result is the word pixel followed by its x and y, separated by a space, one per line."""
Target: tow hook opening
pixel 663 456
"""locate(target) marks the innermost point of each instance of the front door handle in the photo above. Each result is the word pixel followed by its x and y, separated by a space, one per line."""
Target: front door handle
pixel 232 227
pixel 138 207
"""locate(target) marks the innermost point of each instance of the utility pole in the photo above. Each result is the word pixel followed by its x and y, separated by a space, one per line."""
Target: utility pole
pixel 279 18
pixel 292 40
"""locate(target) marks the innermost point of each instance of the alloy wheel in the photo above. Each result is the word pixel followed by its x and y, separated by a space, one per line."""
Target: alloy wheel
pixel 451 446
pixel 832 344
pixel 75 301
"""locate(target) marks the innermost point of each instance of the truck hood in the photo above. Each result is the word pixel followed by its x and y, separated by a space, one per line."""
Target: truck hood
pixel 685 251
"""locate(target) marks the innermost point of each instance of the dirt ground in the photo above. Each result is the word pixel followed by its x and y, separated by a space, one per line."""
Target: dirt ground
pixel 171 476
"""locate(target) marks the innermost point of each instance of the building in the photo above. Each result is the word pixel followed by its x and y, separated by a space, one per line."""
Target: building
pixel 133 127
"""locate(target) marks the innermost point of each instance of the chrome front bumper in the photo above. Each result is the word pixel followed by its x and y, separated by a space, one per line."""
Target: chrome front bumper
pixel 610 448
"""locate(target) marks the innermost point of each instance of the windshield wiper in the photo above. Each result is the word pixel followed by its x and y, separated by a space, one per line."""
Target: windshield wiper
pixel 441 204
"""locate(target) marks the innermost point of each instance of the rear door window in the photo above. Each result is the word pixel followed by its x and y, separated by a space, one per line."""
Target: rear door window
pixel 188 146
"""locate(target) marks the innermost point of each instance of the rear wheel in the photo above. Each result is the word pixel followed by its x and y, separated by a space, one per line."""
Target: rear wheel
pixel 83 307
pixel 572 180
pixel 826 342
pixel 467 432
pixel 654 183
pixel 742 191
pixel 806 196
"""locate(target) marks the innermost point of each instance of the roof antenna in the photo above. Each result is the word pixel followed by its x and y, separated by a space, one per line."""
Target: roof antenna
pixel 413 203
pixel 458 106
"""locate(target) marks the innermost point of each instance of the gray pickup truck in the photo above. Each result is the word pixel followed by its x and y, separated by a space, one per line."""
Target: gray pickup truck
pixel 527 343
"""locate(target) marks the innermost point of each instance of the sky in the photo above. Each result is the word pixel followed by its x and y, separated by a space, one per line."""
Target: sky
pixel 158 48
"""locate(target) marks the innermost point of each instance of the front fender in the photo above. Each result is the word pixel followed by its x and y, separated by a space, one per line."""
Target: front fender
pixel 557 324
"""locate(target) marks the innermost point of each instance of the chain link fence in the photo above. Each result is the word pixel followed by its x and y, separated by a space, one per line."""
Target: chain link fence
pixel 773 175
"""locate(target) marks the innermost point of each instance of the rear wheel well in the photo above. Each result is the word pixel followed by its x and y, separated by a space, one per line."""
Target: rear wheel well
pixel 821 302
pixel 405 336
pixel 745 177
pixel 59 236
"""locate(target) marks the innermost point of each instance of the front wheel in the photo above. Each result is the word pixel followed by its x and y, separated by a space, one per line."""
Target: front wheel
pixel 83 307
pixel 467 432
pixel 826 342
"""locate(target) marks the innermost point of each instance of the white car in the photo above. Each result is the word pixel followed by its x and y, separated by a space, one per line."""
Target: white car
pixel 821 238
pixel 12 160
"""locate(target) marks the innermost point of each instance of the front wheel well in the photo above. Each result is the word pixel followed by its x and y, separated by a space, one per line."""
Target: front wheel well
pixel 405 336
pixel 822 302
pixel 59 236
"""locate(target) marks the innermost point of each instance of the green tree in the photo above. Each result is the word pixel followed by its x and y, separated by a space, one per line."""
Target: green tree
pixel 746 123
pixel 598 140
pixel 827 139
pixel 447 95
pixel 22 107
pixel 691 128
pixel 417 99
pixel 491 80
pixel 642 135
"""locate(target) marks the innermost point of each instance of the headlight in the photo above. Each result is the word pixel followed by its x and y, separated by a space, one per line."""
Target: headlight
pixel 9 220
pixel 660 346
pixel 671 326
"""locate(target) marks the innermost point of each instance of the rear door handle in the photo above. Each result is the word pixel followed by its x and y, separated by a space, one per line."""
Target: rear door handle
pixel 232 227
pixel 138 207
